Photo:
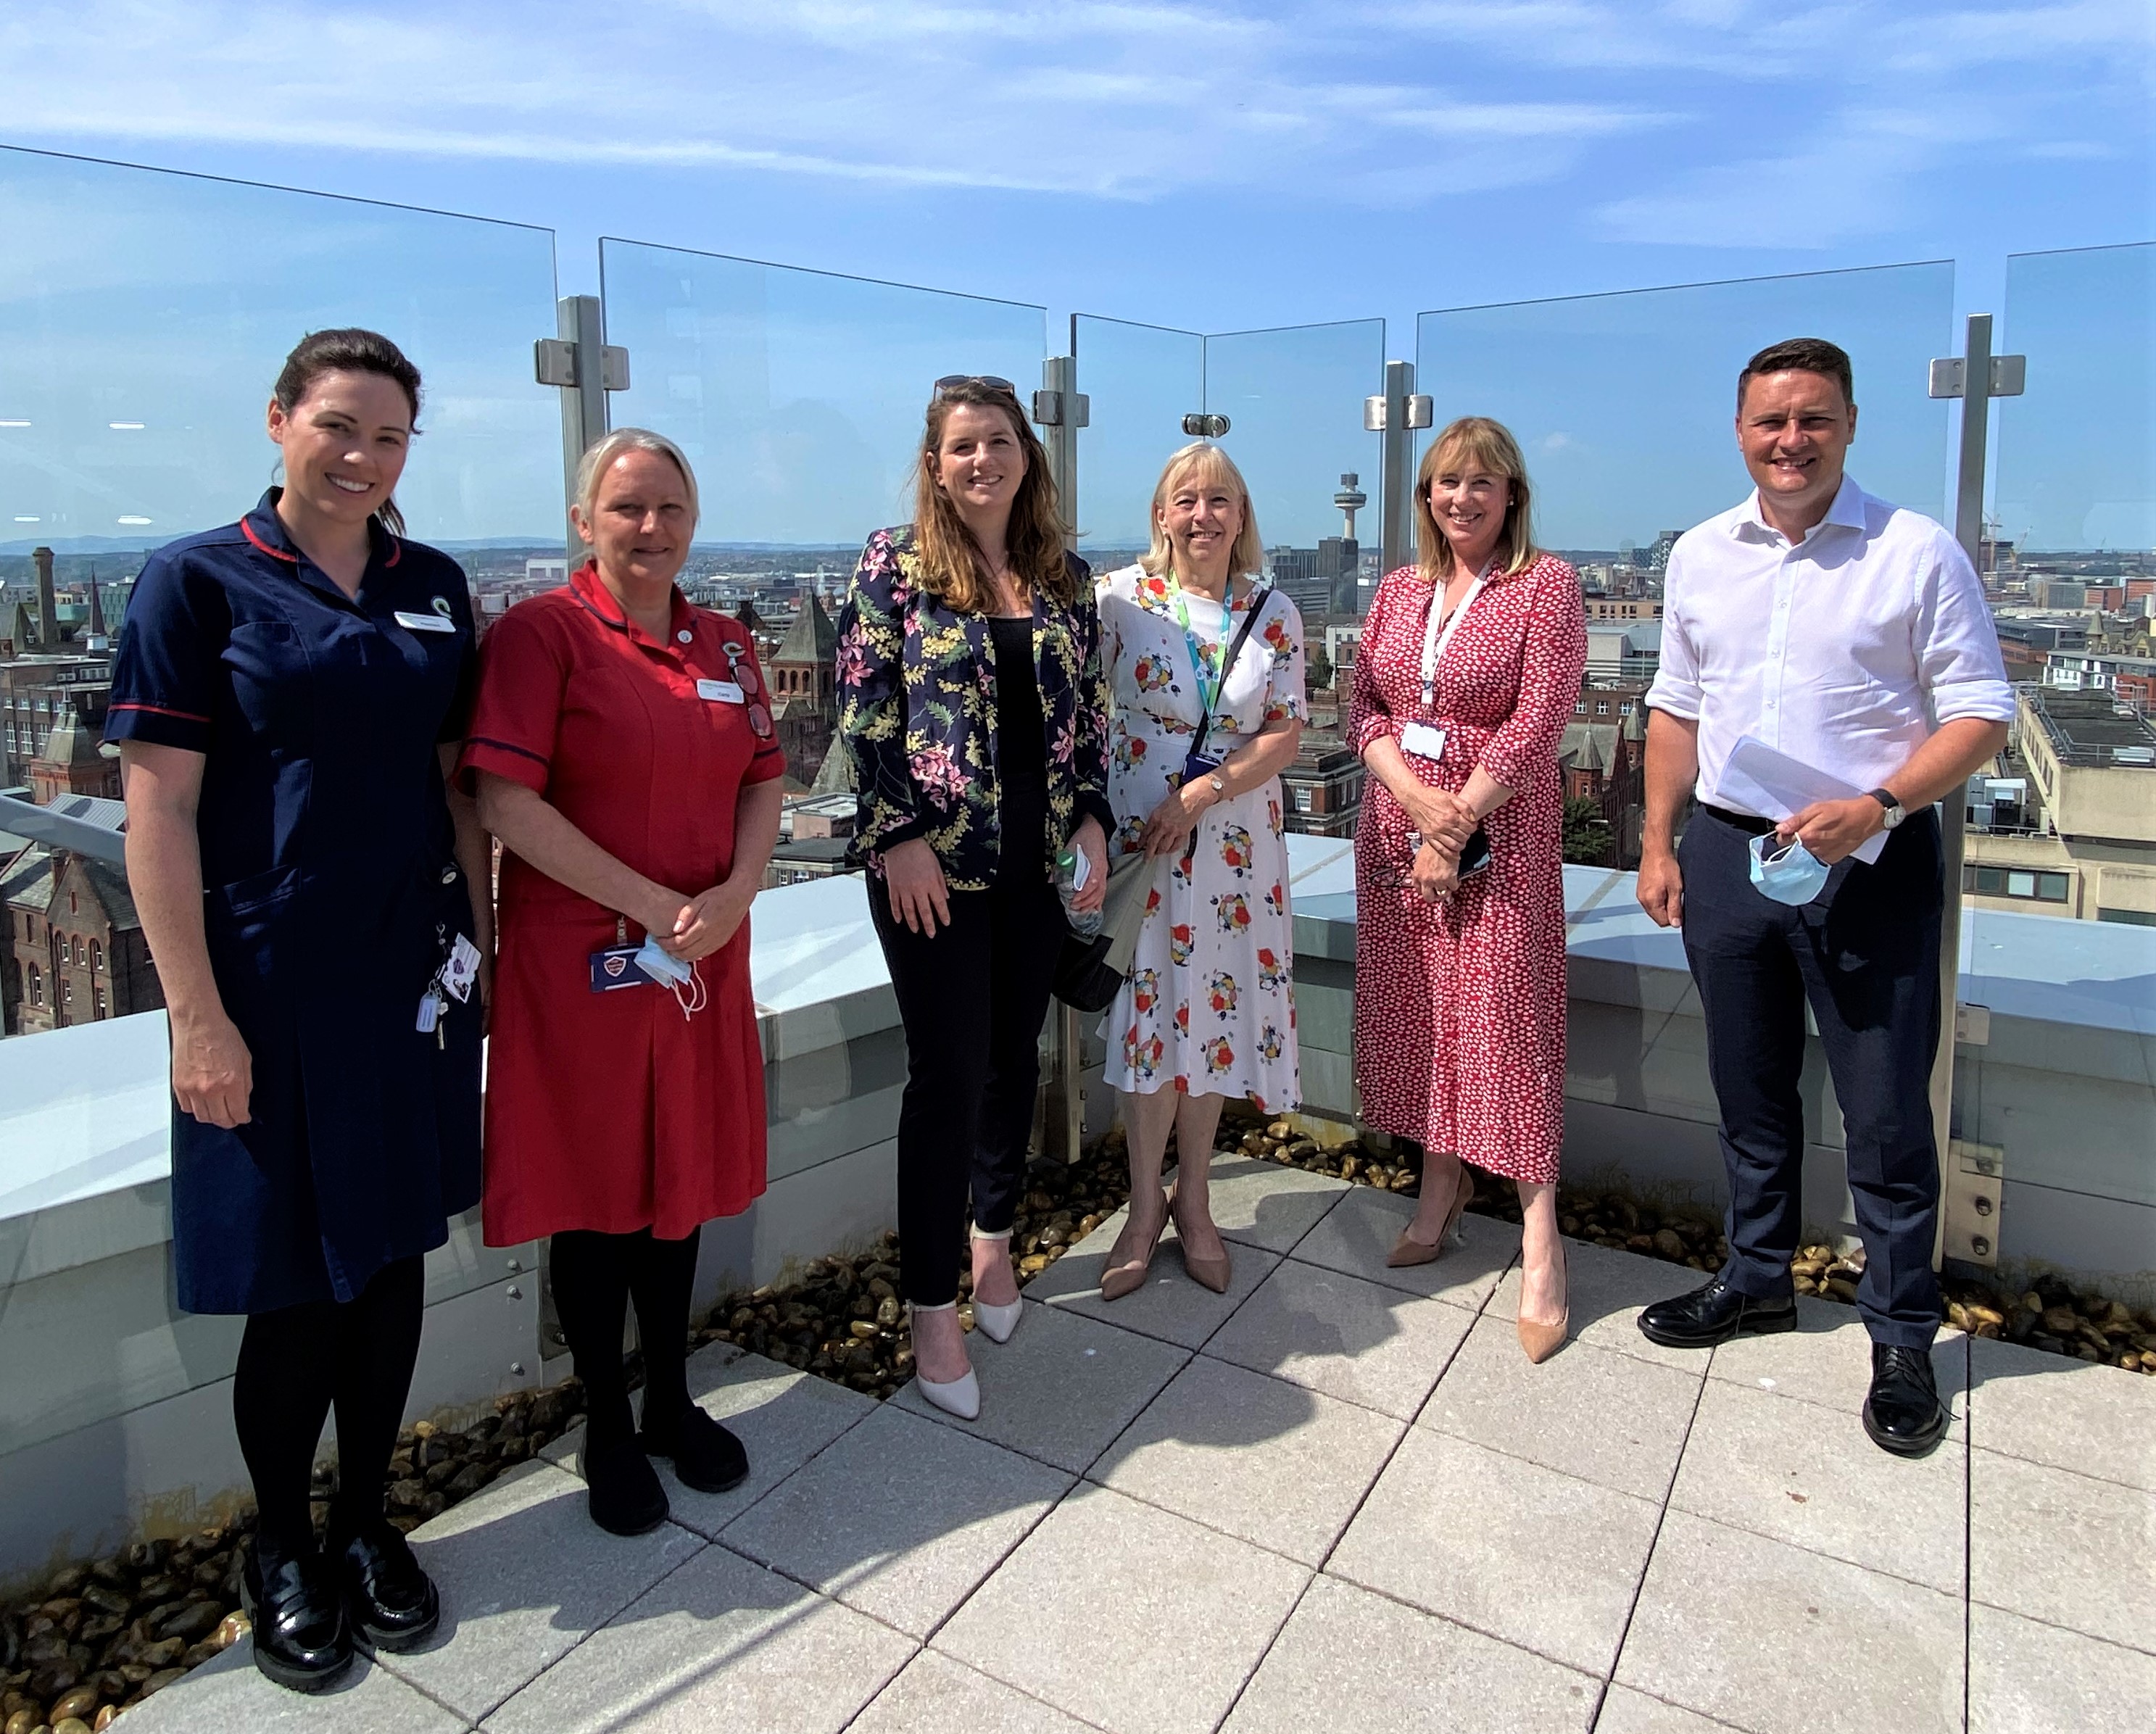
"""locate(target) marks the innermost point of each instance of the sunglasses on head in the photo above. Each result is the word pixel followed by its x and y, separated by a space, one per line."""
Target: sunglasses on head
pixel 951 381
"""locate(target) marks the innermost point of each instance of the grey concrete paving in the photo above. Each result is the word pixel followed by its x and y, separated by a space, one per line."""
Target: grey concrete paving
pixel 1336 1497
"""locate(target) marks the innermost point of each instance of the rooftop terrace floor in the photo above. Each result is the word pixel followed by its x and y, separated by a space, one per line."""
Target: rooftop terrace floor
pixel 1337 1496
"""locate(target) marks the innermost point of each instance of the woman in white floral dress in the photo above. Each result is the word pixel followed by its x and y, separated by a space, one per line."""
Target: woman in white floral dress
pixel 1208 1010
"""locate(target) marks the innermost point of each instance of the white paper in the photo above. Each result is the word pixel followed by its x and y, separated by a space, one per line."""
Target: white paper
pixel 1081 869
pixel 1773 785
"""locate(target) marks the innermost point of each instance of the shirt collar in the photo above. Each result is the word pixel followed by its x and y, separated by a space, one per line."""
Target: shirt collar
pixel 1846 513
pixel 590 589
pixel 265 531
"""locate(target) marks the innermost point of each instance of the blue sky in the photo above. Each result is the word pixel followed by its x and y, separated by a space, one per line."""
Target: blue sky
pixel 1212 168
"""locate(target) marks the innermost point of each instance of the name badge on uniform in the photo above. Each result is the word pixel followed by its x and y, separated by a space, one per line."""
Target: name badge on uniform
pixel 424 623
pixel 615 967
pixel 726 692
pixel 1425 739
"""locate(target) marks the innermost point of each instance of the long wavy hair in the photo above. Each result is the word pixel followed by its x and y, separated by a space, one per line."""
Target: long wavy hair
pixel 1475 442
pixel 349 349
pixel 953 565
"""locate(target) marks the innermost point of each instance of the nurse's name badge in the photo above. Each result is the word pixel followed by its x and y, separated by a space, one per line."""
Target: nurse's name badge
pixel 723 692
pixel 441 620
pixel 613 969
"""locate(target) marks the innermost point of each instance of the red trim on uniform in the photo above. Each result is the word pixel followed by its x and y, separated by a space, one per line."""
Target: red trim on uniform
pixel 396 551
pixel 159 710
pixel 247 530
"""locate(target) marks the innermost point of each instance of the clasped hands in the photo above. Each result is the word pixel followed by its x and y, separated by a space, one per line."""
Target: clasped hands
pixel 690 928
pixel 1446 822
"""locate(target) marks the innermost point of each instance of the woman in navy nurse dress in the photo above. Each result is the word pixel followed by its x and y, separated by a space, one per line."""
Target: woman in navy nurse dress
pixel 285 693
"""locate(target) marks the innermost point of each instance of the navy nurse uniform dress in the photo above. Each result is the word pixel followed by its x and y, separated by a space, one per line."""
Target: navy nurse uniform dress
pixel 331 894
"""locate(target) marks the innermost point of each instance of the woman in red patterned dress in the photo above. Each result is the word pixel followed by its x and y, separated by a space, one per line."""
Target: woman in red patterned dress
pixel 1465 676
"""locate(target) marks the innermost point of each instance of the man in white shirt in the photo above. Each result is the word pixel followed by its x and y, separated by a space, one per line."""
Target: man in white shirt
pixel 1852 636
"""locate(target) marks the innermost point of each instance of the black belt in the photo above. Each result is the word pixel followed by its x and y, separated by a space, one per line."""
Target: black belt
pixel 1749 823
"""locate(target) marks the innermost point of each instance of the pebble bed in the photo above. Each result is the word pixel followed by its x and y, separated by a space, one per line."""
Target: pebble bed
pixel 96 1639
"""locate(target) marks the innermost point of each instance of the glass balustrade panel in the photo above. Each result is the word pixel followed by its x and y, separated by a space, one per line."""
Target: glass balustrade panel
pixel 1141 380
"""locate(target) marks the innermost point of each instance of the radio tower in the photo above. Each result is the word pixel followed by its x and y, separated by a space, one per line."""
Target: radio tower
pixel 1350 500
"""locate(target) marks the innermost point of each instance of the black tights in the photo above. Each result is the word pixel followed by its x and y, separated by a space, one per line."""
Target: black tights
pixel 293 1364
pixel 594 1277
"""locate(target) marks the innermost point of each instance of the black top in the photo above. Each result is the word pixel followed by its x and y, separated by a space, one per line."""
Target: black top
pixel 1021 750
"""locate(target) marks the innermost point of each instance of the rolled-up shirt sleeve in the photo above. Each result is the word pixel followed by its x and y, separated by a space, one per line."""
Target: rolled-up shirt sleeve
pixel 169 670
pixel 523 680
pixel 1675 687
pixel 1958 655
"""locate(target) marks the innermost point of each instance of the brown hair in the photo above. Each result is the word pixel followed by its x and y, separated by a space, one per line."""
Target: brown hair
pixel 349 349
pixel 1474 440
pixel 953 565
pixel 1799 355
pixel 1214 468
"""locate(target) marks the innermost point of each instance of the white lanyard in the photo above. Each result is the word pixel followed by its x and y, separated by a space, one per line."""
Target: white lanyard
pixel 1433 641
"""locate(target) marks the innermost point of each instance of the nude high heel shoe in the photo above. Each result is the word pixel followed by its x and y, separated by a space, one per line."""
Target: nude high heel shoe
pixel 1214 1273
pixel 1121 1279
pixel 1408 1250
pixel 960 1397
pixel 1539 1341
pixel 998 1322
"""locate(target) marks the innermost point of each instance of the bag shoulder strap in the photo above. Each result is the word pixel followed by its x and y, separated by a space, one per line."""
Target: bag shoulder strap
pixel 1261 594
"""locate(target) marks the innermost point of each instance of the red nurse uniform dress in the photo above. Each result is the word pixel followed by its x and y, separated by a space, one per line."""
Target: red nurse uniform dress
pixel 613 1111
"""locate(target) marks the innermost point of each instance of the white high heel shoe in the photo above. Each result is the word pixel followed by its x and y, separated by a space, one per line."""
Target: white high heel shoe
pixel 997 1321
pixel 960 1397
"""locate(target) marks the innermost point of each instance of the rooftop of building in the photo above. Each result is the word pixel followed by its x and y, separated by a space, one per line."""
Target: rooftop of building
pixel 2093 726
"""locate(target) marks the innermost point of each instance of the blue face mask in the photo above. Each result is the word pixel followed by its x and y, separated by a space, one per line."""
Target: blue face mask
pixel 1789 874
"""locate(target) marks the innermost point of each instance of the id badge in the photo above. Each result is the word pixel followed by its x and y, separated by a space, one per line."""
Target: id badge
pixel 460 970
pixel 725 692
pixel 615 968
pixel 1200 764
pixel 1425 739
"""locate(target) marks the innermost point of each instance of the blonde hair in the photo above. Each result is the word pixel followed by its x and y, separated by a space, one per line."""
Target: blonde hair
pixel 599 456
pixel 1212 466
pixel 952 565
pixel 1475 441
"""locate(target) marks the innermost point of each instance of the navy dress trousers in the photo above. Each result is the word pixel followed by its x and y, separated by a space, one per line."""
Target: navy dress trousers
pixel 330 895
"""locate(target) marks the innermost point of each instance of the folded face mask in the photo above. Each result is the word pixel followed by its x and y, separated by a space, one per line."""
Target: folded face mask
pixel 1789 873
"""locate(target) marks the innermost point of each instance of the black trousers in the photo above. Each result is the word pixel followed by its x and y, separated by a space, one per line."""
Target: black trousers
pixel 1865 955
pixel 972 999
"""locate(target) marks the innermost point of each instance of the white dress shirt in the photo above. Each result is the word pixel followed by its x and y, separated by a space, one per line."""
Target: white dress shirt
pixel 1845 650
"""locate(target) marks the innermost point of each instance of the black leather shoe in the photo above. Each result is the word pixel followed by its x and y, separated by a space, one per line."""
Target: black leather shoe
pixel 706 1457
pixel 1904 1413
pixel 301 1639
pixel 392 1602
pixel 1715 1314
pixel 626 1498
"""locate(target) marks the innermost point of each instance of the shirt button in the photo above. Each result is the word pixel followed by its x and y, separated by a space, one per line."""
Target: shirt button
pixel 685 636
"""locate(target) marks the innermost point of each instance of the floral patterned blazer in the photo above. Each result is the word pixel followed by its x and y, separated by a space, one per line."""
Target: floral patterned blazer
pixel 917 712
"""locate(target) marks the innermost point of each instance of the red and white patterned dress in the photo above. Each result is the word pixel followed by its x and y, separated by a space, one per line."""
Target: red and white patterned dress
pixel 1459 1006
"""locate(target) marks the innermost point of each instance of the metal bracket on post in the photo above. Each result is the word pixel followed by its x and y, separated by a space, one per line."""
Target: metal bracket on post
pixel 1198 425
pixel 586 367
pixel 1976 376
pixel 1060 409
pixel 1973 1175
pixel 1397 413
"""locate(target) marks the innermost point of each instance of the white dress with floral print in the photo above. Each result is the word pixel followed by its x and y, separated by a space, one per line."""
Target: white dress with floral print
pixel 1210 1005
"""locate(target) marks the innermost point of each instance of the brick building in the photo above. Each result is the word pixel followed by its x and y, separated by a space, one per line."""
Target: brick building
pixel 805 690
pixel 75 953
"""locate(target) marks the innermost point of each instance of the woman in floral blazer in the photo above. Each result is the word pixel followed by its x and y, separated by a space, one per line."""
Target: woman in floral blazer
pixel 972 703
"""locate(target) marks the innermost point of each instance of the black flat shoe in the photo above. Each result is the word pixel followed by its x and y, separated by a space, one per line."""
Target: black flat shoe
pixel 626 1497
pixel 393 1603
pixel 1904 1413
pixel 301 1639
pixel 1714 1314
pixel 706 1456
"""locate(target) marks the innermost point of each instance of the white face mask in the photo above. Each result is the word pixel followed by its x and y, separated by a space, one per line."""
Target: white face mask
pixel 671 973
pixel 1791 873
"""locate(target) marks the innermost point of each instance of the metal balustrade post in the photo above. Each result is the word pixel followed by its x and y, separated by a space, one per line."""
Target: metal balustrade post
pixel 1397 412
pixel 582 363
pixel 1976 376
pixel 1060 410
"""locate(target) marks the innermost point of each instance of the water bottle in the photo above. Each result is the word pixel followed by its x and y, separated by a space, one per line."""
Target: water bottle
pixel 1085 923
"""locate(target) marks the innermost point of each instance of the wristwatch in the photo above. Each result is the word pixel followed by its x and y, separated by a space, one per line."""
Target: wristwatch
pixel 1895 815
pixel 1219 787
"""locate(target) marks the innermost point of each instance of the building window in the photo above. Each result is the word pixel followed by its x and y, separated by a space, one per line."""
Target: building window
pixel 2012 882
pixel 97 1001
pixel 96 954
pixel 67 992
pixel 1602 707
pixel 37 987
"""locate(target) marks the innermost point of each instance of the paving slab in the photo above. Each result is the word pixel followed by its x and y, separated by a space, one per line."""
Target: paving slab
pixel 1348 1659
pixel 1269 1205
pixel 2027 1678
pixel 1625 1711
pixel 781 1417
pixel 1127 1616
pixel 1359 1230
pixel 1542 1560
pixel 900 1518
pixel 1606 1418
pixel 228 1692
pixel 525 1576
pixel 1827 1359
pixel 1061 1389
pixel 1772 1639
pixel 720 1644
pixel 938 1695
pixel 1351 1338
pixel 2062 1548
pixel 1170 1305
pixel 2097 1421
pixel 1798 1472
pixel 1253 1457
pixel 1606 1290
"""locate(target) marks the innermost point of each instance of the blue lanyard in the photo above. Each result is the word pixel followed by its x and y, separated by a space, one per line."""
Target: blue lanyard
pixel 1203 657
